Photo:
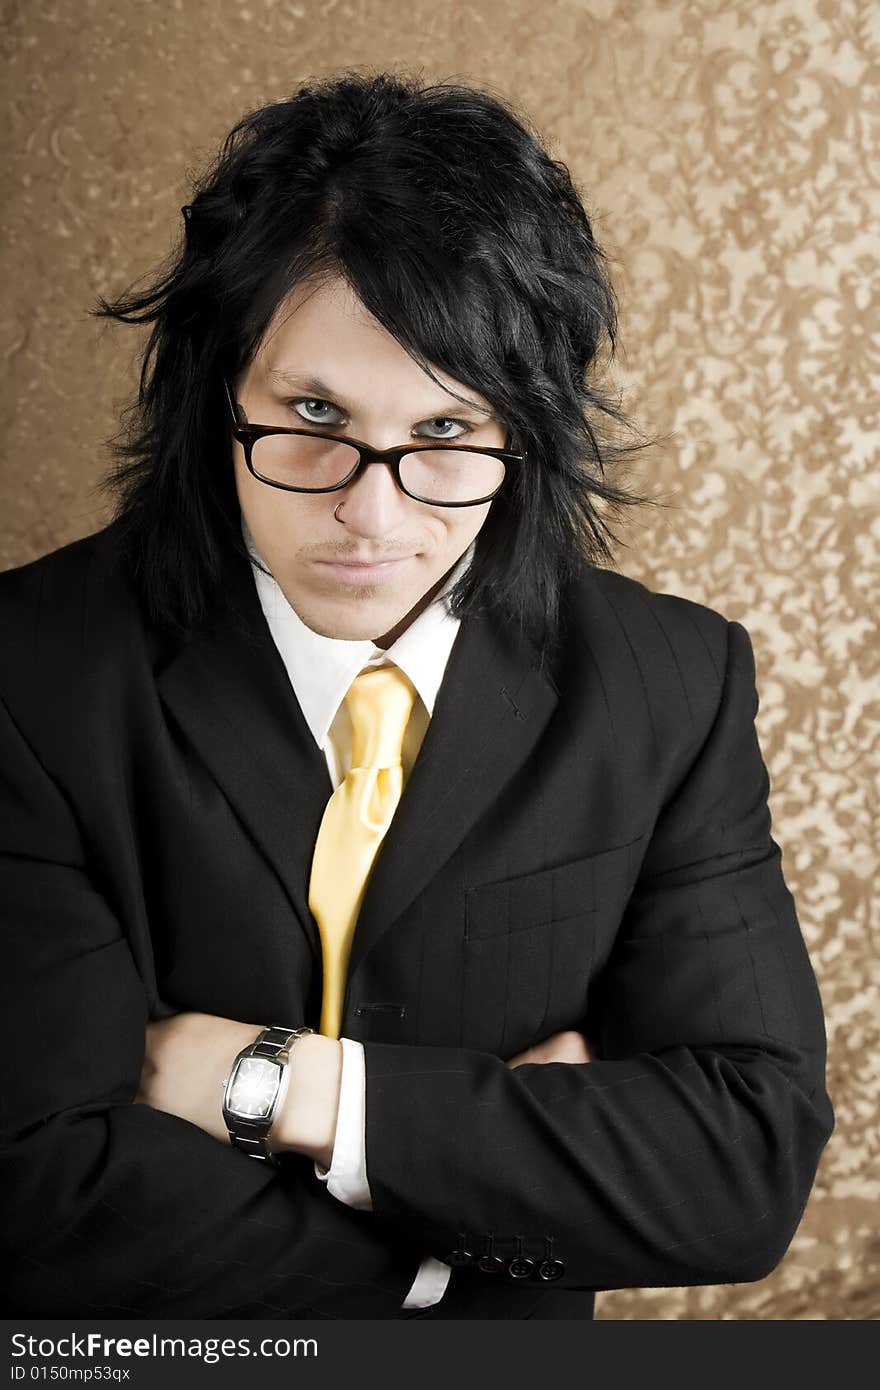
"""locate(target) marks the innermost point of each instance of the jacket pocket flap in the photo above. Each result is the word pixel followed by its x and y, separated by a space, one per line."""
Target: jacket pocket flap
pixel 532 900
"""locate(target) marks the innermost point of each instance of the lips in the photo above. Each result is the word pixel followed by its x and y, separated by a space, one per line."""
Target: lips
pixel 360 571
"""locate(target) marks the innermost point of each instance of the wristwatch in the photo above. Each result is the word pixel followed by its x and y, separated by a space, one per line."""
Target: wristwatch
pixel 255 1090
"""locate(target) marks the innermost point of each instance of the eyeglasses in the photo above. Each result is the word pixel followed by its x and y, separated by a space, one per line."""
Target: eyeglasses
pixel 442 475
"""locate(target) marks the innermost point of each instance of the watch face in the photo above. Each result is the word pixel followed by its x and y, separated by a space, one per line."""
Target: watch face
pixel 254 1088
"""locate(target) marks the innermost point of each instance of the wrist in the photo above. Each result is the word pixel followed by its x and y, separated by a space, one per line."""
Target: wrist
pixel 306 1120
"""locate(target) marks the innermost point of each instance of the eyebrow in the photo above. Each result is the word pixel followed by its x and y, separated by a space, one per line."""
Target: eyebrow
pixel 283 376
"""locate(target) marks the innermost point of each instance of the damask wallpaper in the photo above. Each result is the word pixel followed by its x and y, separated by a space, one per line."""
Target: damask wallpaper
pixel 728 155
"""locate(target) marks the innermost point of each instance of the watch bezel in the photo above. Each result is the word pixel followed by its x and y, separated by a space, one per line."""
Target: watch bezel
pixel 281 1074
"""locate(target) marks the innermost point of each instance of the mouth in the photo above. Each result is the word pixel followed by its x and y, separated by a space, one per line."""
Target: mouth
pixel 355 572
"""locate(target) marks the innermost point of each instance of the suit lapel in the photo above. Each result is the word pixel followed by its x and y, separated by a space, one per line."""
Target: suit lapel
pixel 230 693
pixel 491 710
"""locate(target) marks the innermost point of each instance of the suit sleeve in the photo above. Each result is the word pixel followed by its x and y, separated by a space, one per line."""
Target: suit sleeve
pixel 118 1209
pixel 685 1154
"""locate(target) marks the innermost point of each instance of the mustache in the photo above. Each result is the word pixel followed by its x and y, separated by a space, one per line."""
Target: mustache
pixel 347 556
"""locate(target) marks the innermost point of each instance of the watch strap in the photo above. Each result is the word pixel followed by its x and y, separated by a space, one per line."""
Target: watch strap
pixel 275 1042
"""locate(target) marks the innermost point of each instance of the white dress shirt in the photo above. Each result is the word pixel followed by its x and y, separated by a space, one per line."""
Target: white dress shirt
pixel 321 669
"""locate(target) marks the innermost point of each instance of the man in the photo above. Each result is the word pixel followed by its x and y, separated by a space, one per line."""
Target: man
pixel 396 921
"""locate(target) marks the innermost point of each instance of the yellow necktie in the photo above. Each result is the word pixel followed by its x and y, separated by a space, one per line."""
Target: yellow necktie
pixel 355 822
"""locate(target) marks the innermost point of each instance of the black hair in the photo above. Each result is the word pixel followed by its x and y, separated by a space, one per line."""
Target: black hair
pixel 441 208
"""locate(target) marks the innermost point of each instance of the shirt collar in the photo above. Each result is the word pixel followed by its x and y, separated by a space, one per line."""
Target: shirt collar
pixel 321 669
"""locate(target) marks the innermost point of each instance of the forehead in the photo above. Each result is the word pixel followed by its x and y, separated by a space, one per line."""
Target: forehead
pixel 325 301
pixel 322 330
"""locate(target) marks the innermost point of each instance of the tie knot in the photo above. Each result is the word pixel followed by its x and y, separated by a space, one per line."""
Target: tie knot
pixel 380 702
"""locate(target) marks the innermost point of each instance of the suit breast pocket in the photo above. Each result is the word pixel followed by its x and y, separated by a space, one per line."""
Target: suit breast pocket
pixel 528 956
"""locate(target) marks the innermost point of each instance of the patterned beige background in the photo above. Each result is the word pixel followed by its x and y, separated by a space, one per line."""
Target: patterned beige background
pixel 728 153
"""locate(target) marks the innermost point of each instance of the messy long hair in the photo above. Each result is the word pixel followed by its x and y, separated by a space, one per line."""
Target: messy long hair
pixel 447 216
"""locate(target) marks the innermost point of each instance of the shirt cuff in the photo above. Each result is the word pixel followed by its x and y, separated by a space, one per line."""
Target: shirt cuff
pixel 346 1178
pixel 429 1285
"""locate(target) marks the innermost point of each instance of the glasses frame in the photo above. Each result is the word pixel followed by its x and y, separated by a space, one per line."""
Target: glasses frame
pixel 248 434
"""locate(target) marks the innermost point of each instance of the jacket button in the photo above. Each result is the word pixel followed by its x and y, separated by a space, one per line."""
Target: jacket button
pixel 489 1262
pixel 461 1255
pixel 550 1269
pixel 520 1267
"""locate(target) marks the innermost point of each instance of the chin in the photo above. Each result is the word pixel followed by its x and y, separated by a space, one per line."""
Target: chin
pixel 365 629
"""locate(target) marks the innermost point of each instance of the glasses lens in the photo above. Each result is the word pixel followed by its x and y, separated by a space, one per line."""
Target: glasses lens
pixel 451 475
pixel 299 460
pixel 433 475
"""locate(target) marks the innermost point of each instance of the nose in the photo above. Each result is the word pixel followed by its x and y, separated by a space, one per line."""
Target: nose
pixel 373 505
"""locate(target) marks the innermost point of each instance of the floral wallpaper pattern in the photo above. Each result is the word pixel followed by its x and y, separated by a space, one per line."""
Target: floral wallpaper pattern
pixel 728 154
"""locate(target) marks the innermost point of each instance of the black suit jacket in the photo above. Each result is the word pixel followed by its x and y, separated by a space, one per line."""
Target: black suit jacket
pixel 585 849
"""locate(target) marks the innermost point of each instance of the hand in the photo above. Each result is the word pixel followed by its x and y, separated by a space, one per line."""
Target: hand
pixel 569 1046
pixel 188 1058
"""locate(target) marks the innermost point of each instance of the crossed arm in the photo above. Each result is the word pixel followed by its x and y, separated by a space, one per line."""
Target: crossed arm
pixel 189 1056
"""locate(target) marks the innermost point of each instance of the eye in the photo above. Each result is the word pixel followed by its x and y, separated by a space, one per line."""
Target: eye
pixel 314 411
pixel 444 421
pixel 314 403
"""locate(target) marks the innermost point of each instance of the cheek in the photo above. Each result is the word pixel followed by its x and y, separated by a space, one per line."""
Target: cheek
pixel 258 510
pixel 250 492
pixel 466 524
pixel 277 519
